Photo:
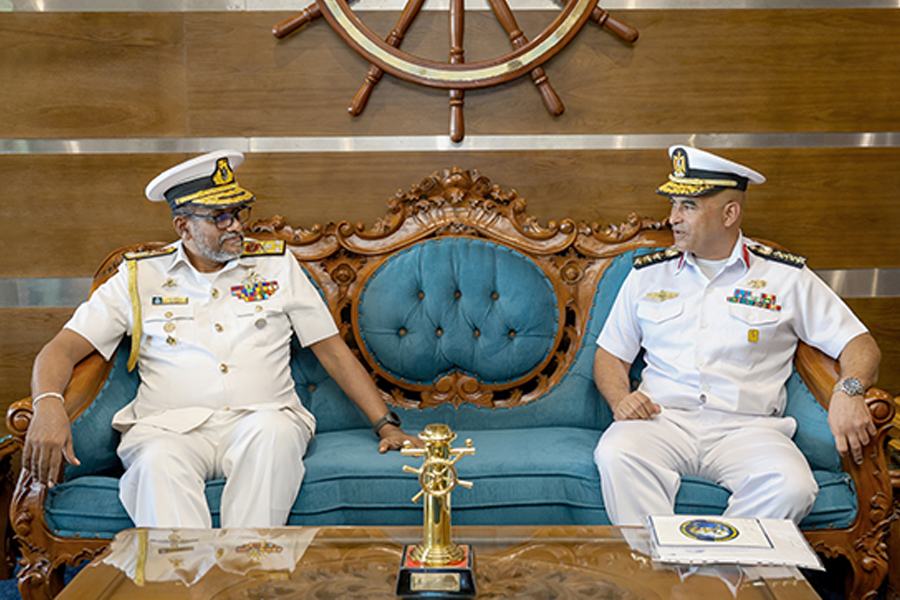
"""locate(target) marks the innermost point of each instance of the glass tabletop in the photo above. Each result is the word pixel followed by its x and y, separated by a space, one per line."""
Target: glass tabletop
pixel 570 562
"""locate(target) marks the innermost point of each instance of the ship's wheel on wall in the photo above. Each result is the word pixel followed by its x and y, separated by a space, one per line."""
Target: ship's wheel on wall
pixel 456 75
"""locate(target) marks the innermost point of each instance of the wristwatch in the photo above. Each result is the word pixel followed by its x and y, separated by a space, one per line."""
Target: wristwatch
pixel 390 418
pixel 850 386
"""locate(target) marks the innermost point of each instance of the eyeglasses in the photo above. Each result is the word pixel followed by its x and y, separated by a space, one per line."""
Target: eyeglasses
pixel 226 219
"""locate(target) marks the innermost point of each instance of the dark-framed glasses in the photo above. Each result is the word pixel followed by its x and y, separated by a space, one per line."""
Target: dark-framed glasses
pixel 226 219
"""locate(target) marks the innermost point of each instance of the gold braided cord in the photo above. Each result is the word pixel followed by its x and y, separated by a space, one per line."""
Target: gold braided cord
pixel 676 189
pixel 141 566
pixel 698 181
pixel 136 328
pixel 232 193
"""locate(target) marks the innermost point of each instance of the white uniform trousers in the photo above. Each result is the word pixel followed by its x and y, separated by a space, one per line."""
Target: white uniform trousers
pixel 259 453
pixel 641 463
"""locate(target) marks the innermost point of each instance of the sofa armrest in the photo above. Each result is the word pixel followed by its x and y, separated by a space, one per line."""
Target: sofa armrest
pixel 864 544
pixel 87 380
pixel 820 373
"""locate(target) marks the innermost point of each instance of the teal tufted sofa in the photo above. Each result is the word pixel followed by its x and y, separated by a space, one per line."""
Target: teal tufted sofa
pixel 467 313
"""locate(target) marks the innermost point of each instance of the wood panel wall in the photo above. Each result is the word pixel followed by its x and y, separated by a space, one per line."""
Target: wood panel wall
pixel 200 75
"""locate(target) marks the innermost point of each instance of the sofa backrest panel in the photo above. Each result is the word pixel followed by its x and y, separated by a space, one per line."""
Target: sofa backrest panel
pixel 458 304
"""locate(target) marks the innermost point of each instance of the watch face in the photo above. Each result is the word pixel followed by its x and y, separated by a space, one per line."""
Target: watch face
pixel 851 386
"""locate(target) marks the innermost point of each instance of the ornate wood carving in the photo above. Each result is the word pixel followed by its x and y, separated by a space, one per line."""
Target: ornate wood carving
pixel 456 202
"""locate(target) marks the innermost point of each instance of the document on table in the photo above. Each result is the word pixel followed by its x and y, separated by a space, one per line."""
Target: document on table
pixel 693 539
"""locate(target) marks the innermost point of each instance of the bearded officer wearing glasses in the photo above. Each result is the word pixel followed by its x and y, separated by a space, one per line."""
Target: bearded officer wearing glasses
pixel 719 317
pixel 212 317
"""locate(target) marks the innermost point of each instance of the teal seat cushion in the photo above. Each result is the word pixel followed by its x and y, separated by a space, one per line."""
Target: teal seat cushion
pixel 516 481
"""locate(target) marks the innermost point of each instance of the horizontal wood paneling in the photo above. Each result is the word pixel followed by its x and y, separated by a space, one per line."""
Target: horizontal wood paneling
pixel 24 333
pixel 882 317
pixel 71 75
pixel 719 70
pixel 60 215
pixel 92 75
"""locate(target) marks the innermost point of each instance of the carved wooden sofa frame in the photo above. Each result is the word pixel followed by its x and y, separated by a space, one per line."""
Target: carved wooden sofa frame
pixel 461 203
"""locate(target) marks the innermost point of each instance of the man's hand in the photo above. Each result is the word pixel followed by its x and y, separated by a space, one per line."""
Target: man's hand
pixel 635 405
pixel 393 438
pixel 851 424
pixel 48 441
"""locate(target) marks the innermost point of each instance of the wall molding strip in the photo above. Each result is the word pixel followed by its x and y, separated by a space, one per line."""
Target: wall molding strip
pixel 442 143
pixel 397 5
pixel 65 292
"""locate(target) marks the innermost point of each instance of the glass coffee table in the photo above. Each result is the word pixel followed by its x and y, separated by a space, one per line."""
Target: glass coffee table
pixel 362 562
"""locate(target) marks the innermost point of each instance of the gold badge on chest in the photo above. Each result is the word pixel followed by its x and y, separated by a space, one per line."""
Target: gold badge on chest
pixel 662 295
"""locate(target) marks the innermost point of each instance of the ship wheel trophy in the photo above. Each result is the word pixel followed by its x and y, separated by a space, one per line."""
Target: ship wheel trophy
pixel 437 567
pixel 456 75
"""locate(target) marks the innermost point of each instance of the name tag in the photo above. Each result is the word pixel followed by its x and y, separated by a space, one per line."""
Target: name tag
pixel 159 300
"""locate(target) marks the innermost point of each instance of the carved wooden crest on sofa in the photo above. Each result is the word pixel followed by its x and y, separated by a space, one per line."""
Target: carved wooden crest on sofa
pixel 455 203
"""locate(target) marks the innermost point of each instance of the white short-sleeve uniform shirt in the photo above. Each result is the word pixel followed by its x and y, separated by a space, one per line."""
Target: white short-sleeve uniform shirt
pixel 727 343
pixel 209 341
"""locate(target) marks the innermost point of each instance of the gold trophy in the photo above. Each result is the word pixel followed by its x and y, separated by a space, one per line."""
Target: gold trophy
pixel 437 567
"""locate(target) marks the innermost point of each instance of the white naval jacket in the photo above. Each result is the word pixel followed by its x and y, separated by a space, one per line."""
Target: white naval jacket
pixel 209 342
pixel 726 344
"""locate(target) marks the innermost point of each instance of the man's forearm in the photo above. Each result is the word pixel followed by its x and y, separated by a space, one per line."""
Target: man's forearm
pixel 343 367
pixel 55 363
pixel 861 358
pixel 611 377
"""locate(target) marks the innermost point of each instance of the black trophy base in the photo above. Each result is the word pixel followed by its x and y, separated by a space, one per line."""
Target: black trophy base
pixel 419 581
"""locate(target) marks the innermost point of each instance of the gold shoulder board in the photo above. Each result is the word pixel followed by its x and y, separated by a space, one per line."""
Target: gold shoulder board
pixel 794 260
pixel 263 248
pixel 654 258
pixel 149 253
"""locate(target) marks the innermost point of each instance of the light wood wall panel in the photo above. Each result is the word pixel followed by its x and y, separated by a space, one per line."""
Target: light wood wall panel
pixel 817 202
pixel 76 75
pixel 24 332
pixel 71 75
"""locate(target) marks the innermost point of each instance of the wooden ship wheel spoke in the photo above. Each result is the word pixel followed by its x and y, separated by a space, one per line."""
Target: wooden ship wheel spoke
pixel 456 75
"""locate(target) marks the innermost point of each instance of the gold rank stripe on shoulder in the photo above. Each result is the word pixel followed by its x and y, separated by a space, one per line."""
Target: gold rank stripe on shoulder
pixel 150 253
pixel 654 258
pixel 263 248
pixel 794 260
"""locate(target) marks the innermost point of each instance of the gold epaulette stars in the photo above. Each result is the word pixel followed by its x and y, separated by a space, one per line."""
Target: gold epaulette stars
pixel 149 253
pixel 263 248
pixel 654 258
pixel 794 260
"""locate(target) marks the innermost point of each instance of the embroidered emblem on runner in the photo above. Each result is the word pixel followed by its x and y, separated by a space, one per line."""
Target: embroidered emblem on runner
pixel 748 298
pixel 254 292
pixel 255 550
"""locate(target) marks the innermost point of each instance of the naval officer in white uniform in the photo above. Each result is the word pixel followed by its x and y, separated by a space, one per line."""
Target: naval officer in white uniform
pixel 719 317
pixel 211 317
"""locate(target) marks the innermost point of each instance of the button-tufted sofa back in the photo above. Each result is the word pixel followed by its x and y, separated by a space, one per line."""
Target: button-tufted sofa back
pixel 458 304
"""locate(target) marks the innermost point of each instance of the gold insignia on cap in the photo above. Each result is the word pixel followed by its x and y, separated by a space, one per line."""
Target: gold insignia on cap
pixel 223 173
pixel 679 163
